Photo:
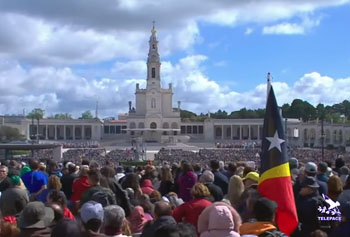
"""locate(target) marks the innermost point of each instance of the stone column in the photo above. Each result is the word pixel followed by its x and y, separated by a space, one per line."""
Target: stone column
pixel 249 132
pixel 231 138
pixel 55 132
pixel 222 132
pixel 64 132
pixel 240 132
pixel 47 133
pixel 258 132
pixel 82 132
pixel 73 132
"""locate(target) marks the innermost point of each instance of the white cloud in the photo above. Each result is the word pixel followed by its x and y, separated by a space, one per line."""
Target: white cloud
pixel 248 31
pixel 292 28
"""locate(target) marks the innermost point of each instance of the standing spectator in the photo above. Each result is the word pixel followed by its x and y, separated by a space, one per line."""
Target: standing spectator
pixel 235 190
pixel 322 170
pixel 219 179
pixel 114 217
pixel 335 187
pixel 137 220
pixel 264 226
pixel 162 212
pixel 35 220
pixel 207 178
pixel 147 186
pixel 68 179
pixel 92 217
pixel 14 199
pixel 166 184
pixel 96 192
pixel 58 197
pixel 35 181
pixel 344 228
pixel 5 182
pixel 80 185
pixel 190 211
pixel 344 197
pixel 219 219
pixel 186 181
pixel 54 184
pixel 252 178
pixel 66 227
pixel 13 168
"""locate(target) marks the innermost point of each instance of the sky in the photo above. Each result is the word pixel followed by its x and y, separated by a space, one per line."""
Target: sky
pixel 63 56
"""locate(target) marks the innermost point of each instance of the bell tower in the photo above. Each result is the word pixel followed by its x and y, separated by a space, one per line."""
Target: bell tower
pixel 153 62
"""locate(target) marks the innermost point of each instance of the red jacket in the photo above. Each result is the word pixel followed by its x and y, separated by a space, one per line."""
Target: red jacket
pixel 190 211
pixel 79 186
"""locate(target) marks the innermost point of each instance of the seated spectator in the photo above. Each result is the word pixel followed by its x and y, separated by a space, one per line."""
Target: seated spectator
pixel 14 199
pixel 66 227
pixel 92 217
pixel 35 220
pixel 190 211
pixel 264 211
pixel 137 220
pixel 162 217
pixel 219 219
pixel 207 178
pixel 114 217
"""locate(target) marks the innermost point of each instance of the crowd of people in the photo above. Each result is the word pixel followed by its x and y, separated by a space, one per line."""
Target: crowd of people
pixel 212 192
pixel 82 144
pixel 239 144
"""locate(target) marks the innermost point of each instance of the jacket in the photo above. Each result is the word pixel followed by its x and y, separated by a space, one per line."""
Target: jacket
pixel 79 186
pixel 190 211
pixel 219 220
pixel 186 182
pixel 256 228
pixel 221 180
pixel 215 192
pixel 147 186
pixel 13 200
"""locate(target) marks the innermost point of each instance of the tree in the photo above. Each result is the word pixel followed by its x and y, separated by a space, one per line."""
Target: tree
pixel 36 113
pixel 87 115
pixel 8 134
pixel 61 116
pixel 187 114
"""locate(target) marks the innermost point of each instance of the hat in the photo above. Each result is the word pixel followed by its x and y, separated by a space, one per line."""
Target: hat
pixel 311 168
pixel 253 176
pixel 310 182
pixel 15 180
pixel 91 210
pixel 264 207
pixel 25 170
pixel 293 163
pixel 322 167
pixel 35 215
pixel 207 177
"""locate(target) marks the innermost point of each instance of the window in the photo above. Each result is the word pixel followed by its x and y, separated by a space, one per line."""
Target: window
pixel 118 130
pixel 153 46
pixel 112 129
pixel 106 129
pixel 195 130
pixel 153 125
pixel 189 129
pixel 124 131
pixel 153 72
pixel 183 129
pixel 200 129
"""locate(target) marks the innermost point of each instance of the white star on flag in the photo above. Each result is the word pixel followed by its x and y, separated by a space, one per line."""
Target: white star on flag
pixel 275 141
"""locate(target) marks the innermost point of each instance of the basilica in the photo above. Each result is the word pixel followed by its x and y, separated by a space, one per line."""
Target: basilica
pixel 154 117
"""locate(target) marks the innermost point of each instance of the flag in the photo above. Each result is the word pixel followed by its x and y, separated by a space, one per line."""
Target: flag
pixel 275 180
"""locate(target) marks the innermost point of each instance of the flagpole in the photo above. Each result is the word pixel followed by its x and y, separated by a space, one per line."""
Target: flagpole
pixel 268 85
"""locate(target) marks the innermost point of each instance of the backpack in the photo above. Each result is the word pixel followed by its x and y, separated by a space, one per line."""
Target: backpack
pixel 101 197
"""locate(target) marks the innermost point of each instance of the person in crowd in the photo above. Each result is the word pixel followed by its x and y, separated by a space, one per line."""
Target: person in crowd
pixel 8 227
pixel 166 183
pixel 155 196
pixel 182 229
pixel 219 179
pixel 54 184
pixel 147 205
pixel 25 169
pixel 310 171
pixel 162 217
pixel 207 178
pixel 186 181
pixel 35 181
pixel 235 190
pixel 220 220
pixel 137 220
pixel 52 169
pixel 80 185
pixel 345 195
pixel 245 206
pixel 13 168
pixel 114 217
pixel 119 173
pixel 231 169
pixel 335 187
pixel 344 228
pixel 68 179
pixel 190 211
pixel 66 227
pixel 35 220
pixel 307 203
pixel 59 198
pixel 339 162
pixel 14 199
pixel 344 173
pixel 58 213
pixel 5 182
pixel 132 180
pixel 322 170
pixel 92 215
pixel 96 192
pixel 252 178
pixel 265 212
pixel 147 186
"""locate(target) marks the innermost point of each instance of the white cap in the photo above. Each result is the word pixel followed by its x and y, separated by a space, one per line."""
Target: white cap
pixel 91 210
